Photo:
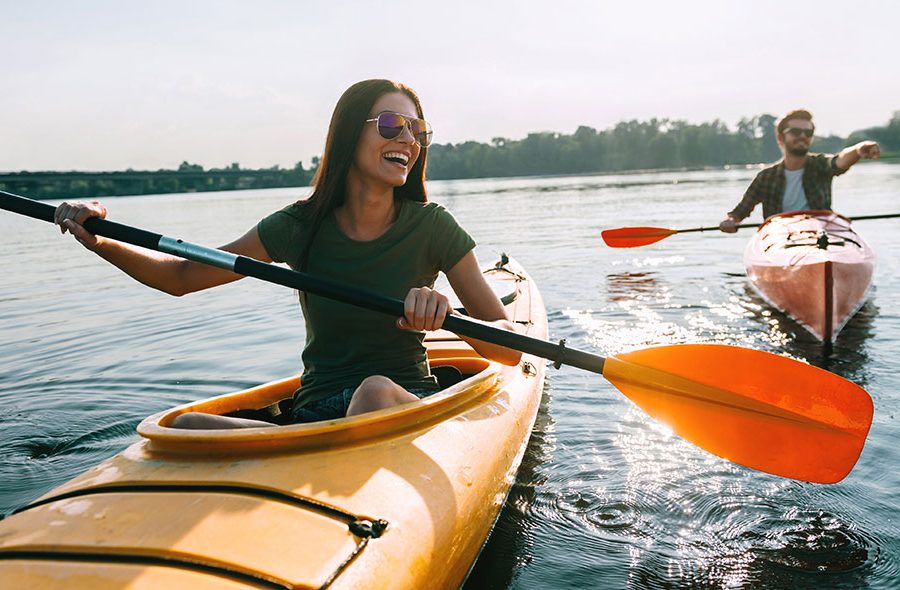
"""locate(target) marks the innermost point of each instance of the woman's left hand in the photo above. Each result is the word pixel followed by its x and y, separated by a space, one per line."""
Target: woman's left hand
pixel 424 309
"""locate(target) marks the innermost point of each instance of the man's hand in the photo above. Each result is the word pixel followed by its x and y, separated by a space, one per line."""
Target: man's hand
pixel 868 150
pixel 729 225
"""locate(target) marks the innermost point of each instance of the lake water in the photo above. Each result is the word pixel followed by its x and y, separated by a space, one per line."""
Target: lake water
pixel 605 498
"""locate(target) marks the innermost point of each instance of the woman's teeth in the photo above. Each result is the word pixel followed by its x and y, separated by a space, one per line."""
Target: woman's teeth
pixel 396 157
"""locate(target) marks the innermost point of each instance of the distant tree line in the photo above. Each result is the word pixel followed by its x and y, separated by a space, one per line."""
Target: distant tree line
pixel 186 179
pixel 630 145
pixel 888 136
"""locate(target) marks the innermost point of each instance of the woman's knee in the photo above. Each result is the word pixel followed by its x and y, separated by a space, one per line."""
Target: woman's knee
pixel 377 386
pixel 378 392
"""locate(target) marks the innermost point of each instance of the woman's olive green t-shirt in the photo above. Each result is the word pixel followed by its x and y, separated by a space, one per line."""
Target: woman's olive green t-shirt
pixel 344 343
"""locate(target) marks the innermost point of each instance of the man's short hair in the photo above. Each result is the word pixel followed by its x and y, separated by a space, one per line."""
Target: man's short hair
pixel 802 114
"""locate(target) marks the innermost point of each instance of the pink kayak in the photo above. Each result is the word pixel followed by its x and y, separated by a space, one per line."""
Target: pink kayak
pixel 812 266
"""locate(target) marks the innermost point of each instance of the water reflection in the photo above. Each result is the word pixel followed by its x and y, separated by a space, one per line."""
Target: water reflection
pixel 633 286
pixel 811 549
pixel 510 545
pixel 847 356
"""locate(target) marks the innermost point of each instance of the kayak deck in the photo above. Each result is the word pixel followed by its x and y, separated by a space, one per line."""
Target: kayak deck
pixel 812 266
pixel 403 497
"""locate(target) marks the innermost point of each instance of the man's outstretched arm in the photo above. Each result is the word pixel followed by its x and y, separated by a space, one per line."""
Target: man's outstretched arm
pixel 864 150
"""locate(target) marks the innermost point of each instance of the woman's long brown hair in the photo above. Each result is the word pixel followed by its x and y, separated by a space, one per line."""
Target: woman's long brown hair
pixel 347 121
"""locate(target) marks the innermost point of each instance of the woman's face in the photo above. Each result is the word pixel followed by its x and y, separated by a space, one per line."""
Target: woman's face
pixel 386 161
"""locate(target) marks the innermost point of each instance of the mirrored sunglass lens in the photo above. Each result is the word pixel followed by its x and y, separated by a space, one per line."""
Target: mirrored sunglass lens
pixel 424 138
pixel 421 130
pixel 390 125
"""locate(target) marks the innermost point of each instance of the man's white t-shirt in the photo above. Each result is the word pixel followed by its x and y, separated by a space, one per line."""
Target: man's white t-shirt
pixel 794 197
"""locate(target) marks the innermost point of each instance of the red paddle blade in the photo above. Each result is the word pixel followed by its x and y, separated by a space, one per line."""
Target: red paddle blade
pixel 760 410
pixel 632 237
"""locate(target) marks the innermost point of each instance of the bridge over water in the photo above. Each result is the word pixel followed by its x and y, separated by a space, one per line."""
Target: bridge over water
pixel 50 185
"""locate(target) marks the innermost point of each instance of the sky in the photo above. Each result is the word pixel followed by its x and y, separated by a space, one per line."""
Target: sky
pixel 111 85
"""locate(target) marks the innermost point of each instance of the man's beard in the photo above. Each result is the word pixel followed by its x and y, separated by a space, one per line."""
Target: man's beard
pixel 798 151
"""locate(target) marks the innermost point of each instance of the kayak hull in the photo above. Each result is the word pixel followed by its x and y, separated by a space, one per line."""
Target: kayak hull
pixel 812 266
pixel 401 498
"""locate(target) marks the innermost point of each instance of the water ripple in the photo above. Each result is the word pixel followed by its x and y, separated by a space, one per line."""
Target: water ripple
pixel 814 542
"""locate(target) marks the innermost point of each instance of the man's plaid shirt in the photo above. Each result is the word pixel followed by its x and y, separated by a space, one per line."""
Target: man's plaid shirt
pixel 768 186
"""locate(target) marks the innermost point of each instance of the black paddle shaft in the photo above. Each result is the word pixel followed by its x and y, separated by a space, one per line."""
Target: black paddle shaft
pixel 746 225
pixel 250 267
pixel 715 228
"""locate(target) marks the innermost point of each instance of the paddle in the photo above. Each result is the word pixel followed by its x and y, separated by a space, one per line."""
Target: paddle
pixel 757 409
pixel 633 237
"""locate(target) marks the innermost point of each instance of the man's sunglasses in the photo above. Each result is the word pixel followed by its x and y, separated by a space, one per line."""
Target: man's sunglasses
pixel 798 131
pixel 390 126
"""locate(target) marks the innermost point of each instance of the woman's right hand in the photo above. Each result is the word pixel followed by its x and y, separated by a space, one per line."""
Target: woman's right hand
pixel 70 216
pixel 424 310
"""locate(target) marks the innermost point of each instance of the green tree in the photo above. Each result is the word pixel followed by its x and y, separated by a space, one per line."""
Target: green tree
pixel 188 167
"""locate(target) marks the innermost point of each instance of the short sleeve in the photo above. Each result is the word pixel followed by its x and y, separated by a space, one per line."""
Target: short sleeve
pixel 449 241
pixel 279 233
pixel 832 165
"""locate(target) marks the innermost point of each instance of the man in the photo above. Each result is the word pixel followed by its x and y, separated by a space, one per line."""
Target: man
pixel 800 180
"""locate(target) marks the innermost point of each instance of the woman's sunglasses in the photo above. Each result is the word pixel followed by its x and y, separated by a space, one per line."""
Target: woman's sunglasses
pixel 390 126
pixel 798 131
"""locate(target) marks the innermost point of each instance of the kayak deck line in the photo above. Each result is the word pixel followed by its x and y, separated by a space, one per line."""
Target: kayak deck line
pixel 190 565
pixel 359 525
pixel 362 528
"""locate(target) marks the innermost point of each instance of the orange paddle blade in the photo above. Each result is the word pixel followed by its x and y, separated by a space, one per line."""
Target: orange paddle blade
pixel 754 408
pixel 632 237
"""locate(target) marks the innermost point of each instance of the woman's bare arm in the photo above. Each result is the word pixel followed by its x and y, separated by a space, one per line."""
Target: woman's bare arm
pixel 481 302
pixel 164 272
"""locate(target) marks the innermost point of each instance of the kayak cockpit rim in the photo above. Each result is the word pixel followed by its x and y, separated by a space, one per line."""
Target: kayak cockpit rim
pixel 804 214
pixel 485 381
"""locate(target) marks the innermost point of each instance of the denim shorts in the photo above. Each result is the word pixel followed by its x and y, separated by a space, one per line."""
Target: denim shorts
pixel 335 406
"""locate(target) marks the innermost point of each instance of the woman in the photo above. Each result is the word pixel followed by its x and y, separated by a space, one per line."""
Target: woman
pixel 368 223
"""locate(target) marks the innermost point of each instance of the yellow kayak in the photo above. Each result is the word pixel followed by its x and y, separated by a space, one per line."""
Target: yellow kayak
pixel 400 498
